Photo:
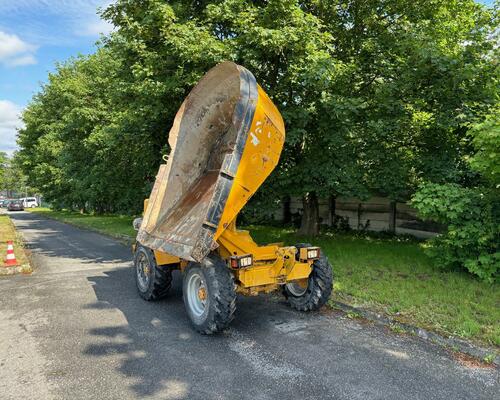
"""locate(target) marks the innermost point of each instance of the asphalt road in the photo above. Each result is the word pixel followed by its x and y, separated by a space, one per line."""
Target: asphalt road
pixel 76 329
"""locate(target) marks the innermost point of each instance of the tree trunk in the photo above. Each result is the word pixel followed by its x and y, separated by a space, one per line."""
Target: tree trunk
pixel 99 209
pixel 310 216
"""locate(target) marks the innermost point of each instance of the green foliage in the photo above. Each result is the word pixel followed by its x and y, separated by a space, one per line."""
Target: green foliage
pixel 486 139
pixel 3 166
pixel 472 214
pixel 376 96
pixel 473 220
pixel 12 179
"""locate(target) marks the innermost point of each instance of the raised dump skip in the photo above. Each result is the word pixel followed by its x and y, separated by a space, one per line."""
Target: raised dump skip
pixel 208 138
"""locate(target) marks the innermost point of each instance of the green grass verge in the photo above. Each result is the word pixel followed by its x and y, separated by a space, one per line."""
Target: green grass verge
pixel 386 275
pixel 397 278
pixel 8 232
pixel 114 225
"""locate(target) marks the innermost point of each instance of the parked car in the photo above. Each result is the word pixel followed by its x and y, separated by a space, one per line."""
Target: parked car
pixel 15 205
pixel 4 203
pixel 29 202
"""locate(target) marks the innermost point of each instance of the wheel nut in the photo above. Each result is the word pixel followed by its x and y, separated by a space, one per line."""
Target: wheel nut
pixel 202 293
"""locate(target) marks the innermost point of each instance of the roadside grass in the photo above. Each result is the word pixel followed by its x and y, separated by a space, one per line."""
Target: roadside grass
pixel 395 277
pixel 392 276
pixel 8 232
pixel 119 226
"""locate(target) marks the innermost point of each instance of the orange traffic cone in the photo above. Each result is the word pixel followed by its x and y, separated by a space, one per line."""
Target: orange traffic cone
pixel 10 260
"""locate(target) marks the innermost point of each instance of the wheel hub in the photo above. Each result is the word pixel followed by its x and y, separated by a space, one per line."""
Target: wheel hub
pixel 298 288
pixel 143 272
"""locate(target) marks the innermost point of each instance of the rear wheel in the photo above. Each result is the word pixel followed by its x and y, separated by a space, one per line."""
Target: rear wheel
pixel 153 282
pixel 311 294
pixel 209 294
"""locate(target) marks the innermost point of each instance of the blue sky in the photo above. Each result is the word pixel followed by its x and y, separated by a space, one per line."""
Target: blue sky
pixel 34 35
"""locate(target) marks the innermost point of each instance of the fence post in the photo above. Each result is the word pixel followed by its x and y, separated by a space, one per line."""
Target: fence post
pixel 331 209
pixel 360 211
pixel 287 213
pixel 392 216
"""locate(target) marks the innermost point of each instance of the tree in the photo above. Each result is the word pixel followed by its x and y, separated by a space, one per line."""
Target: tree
pixel 376 95
pixel 12 180
pixel 3 166
pixel 79 147
pixel 471 214
pixel 486 141
pixel 342 73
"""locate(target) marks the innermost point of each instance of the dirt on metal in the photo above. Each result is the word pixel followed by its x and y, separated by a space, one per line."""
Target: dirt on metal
pixel 206 140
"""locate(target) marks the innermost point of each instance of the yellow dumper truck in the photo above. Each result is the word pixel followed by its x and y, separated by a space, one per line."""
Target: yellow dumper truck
pixel 225 140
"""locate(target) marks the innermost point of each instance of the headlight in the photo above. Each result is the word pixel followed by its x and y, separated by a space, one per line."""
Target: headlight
pixel 309 253
pixel 137 223
pixel 312 253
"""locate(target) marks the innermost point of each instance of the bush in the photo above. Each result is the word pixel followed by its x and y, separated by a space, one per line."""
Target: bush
pixel 473 219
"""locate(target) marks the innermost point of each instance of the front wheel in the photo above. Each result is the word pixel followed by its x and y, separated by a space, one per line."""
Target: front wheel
pixel 153 282
pixel 313 293
pixel 209 294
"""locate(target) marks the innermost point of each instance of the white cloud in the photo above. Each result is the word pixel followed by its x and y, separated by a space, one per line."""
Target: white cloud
pixel 10 45
pixel 27 59
pixel 95 28
pixel 10 121
pixel 14 51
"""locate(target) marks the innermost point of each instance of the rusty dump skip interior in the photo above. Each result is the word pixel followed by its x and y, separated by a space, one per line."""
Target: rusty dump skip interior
pixel 207 138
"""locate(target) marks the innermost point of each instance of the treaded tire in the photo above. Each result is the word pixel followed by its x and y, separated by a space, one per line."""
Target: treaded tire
pixel 319 286
pixel 220 294
pixel 157 280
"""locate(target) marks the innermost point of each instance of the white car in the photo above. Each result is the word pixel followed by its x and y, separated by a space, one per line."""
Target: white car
pixel 30 202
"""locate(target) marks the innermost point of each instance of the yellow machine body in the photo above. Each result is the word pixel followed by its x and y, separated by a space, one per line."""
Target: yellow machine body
pixel 273 264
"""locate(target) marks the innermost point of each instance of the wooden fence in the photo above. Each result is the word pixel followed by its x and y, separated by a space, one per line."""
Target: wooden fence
pixel 376 214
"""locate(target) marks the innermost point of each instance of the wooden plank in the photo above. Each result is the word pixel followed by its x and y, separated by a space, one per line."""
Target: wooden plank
pixel 419 225
pixel 375 225
pixel 372 200
pixel 416 233
pixel 384 217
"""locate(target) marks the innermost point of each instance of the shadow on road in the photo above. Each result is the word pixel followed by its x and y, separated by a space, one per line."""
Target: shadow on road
pixel 269 352
pixel 58 240
pixel 164 357
pixel 158 349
